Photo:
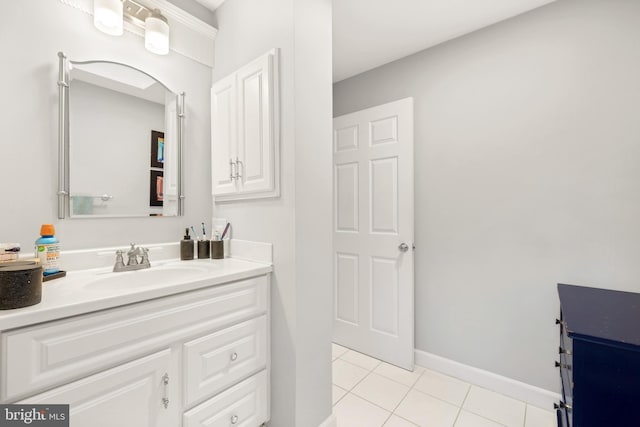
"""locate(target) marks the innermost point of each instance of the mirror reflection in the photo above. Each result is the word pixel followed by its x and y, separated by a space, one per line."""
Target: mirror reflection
pixel 123 142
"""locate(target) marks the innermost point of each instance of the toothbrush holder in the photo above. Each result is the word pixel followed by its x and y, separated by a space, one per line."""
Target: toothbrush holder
pixel 203 249
pixel 217 249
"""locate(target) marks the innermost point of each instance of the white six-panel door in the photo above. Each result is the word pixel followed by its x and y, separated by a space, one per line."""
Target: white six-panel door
pixel 373 232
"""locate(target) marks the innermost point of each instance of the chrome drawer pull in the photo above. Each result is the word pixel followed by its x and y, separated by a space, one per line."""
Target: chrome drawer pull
pixel 563 351
pixel 238 165
pixel 234 357
pixel 234 419
pixel 562 405
pixel 563 366
pixel 232 175
pixel 165 382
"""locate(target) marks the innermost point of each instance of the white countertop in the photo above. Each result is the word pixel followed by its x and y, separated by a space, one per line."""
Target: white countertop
pixel 80 291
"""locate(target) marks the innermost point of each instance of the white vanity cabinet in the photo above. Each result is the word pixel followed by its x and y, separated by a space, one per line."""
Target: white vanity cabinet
pixel 244 132
pixel 193 359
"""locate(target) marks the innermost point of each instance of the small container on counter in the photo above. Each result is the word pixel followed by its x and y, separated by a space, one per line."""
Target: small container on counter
pixel 20 284
pixel 186 246
pixel 217 249
pixel 203 249
pixel 48 249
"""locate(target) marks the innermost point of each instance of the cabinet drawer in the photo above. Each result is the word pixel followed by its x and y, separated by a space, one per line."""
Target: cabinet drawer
pixel 218 360
pixel 243 405
pixel 58 352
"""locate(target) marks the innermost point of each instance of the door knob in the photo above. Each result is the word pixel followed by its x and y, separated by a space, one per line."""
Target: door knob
pixel 403 247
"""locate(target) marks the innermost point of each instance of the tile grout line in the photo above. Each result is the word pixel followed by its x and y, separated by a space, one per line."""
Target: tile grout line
pixel 484 416
pixel 341 397
pixel 392 412
pixel 461 405
pixel 356 384
pixel 412 387
pixel 373 403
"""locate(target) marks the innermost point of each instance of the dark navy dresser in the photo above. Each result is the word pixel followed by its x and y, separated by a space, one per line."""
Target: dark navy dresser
pixel 599 357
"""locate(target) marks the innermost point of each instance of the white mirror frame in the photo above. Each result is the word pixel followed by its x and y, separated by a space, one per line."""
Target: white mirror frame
pixel 64 202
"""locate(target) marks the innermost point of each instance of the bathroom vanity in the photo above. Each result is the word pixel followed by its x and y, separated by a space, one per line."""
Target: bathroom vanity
pixel 180 344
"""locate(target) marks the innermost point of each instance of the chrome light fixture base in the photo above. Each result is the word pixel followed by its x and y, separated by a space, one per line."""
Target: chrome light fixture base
pixel 109 16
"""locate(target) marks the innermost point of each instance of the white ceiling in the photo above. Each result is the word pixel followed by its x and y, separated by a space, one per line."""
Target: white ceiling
pixel 370 33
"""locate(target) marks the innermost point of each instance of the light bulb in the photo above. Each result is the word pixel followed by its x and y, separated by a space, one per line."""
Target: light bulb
pixel 107 16
pixel 156 33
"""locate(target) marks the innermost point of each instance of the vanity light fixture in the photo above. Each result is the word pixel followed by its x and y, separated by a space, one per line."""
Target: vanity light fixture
pixel 109 17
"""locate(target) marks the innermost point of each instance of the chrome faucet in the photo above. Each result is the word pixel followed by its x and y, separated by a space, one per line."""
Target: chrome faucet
pixel 132 259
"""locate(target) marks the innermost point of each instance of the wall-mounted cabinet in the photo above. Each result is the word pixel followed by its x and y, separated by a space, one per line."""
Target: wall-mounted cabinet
pixel 244 132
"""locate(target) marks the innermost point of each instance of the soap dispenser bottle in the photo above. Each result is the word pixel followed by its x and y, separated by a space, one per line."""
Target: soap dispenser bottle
pixel 186 246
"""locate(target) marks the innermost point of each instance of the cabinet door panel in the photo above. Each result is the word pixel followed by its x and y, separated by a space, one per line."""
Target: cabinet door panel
pixel 127 396
pixel 243 405
pixel 255 125
pixel 223 136
pixel 215 361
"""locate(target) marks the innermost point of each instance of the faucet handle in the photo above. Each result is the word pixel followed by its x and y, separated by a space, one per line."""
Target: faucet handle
pixel 144 253
pixel 119 265
pixel 132 255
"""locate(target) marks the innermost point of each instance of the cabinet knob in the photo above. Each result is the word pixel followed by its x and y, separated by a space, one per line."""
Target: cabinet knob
pixel 234 356
pixel 234 419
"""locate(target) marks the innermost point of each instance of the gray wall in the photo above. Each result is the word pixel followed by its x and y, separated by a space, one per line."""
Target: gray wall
pixel 527 145
pixel 298 223
pixel 32 34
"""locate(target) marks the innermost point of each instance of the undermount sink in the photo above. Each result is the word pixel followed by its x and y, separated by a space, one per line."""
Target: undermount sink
pixel 154 276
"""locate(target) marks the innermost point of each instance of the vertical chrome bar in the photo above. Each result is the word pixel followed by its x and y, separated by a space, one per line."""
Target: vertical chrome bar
pixel 231 174
pixel 63 154
pixel 181 115
pixel 165 397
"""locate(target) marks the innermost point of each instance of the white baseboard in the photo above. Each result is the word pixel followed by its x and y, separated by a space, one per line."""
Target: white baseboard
pixel 329 422
pixel 536 396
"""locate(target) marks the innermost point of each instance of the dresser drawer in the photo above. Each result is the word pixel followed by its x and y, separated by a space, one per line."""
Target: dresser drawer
pixel 217 360
pixel 39 357
pixel 245 405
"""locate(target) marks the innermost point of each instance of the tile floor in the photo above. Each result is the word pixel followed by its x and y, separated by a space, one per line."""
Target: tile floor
pixel 371 393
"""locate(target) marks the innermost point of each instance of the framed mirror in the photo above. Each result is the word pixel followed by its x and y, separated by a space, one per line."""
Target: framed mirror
pixel 120 142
